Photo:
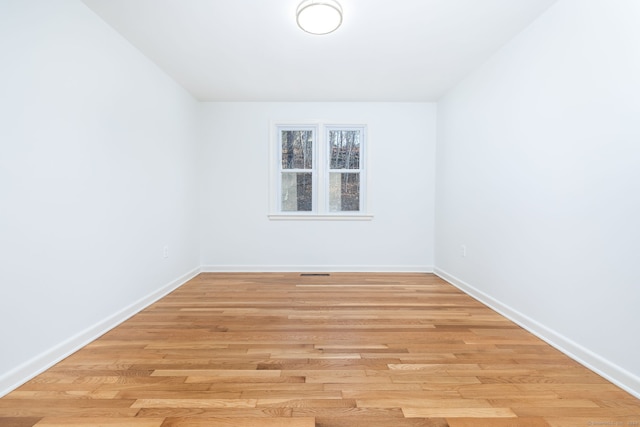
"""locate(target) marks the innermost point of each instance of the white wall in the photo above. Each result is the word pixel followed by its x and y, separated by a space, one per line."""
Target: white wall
pixel 539 176
pixel 236 233
pixel 97 160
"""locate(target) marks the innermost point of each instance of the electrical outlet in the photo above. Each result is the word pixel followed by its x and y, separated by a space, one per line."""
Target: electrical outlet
pixel 463 250
pixel 165 252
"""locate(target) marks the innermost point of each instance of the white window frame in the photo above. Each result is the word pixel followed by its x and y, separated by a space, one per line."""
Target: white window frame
pixel 320 173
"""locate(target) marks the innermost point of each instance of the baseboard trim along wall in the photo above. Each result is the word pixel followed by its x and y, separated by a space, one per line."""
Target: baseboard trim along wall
pixel 317 268
pixel 617 375
pixel 28 370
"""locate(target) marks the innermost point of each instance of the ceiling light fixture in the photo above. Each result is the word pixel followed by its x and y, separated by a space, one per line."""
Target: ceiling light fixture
pixel 319 16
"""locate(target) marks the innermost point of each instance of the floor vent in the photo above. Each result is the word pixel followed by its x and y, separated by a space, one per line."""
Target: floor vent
pixel 315 274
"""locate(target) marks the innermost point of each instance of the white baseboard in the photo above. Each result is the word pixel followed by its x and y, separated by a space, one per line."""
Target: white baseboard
pixel 617 375
pixel 614 373
pixel 23 373
pixel 317 268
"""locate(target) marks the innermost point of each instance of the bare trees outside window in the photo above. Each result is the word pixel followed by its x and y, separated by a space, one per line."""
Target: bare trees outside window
pixel 297 165
pixel 344 170
pixel 320 169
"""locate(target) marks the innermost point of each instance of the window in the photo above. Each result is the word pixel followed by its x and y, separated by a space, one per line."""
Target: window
pixel 297 170
pixel 344 169
pixel 318 172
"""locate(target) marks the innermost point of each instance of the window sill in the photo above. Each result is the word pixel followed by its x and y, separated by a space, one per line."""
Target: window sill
pixel 315 217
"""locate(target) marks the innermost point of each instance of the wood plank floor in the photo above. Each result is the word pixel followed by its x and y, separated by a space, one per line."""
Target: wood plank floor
pixel 281 350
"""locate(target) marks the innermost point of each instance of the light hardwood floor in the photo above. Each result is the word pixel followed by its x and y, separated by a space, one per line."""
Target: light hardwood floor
pixel 349 350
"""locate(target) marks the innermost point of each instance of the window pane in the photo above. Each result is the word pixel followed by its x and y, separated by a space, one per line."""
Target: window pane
pixel 345 149
pixel 297 149
pixel 344 192
pixel 296 192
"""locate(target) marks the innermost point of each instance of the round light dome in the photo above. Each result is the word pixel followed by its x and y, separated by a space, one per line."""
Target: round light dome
pixel 319 16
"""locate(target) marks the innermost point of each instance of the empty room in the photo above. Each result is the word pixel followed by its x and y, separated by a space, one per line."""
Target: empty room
pixel 240 213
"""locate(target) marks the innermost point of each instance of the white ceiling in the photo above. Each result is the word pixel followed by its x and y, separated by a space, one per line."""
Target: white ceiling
pixel 252 50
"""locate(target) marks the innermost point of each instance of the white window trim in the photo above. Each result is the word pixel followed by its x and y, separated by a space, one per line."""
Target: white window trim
pixel 321 174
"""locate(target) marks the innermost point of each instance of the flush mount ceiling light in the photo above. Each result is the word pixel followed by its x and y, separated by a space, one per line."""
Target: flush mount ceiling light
pixel 319 16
